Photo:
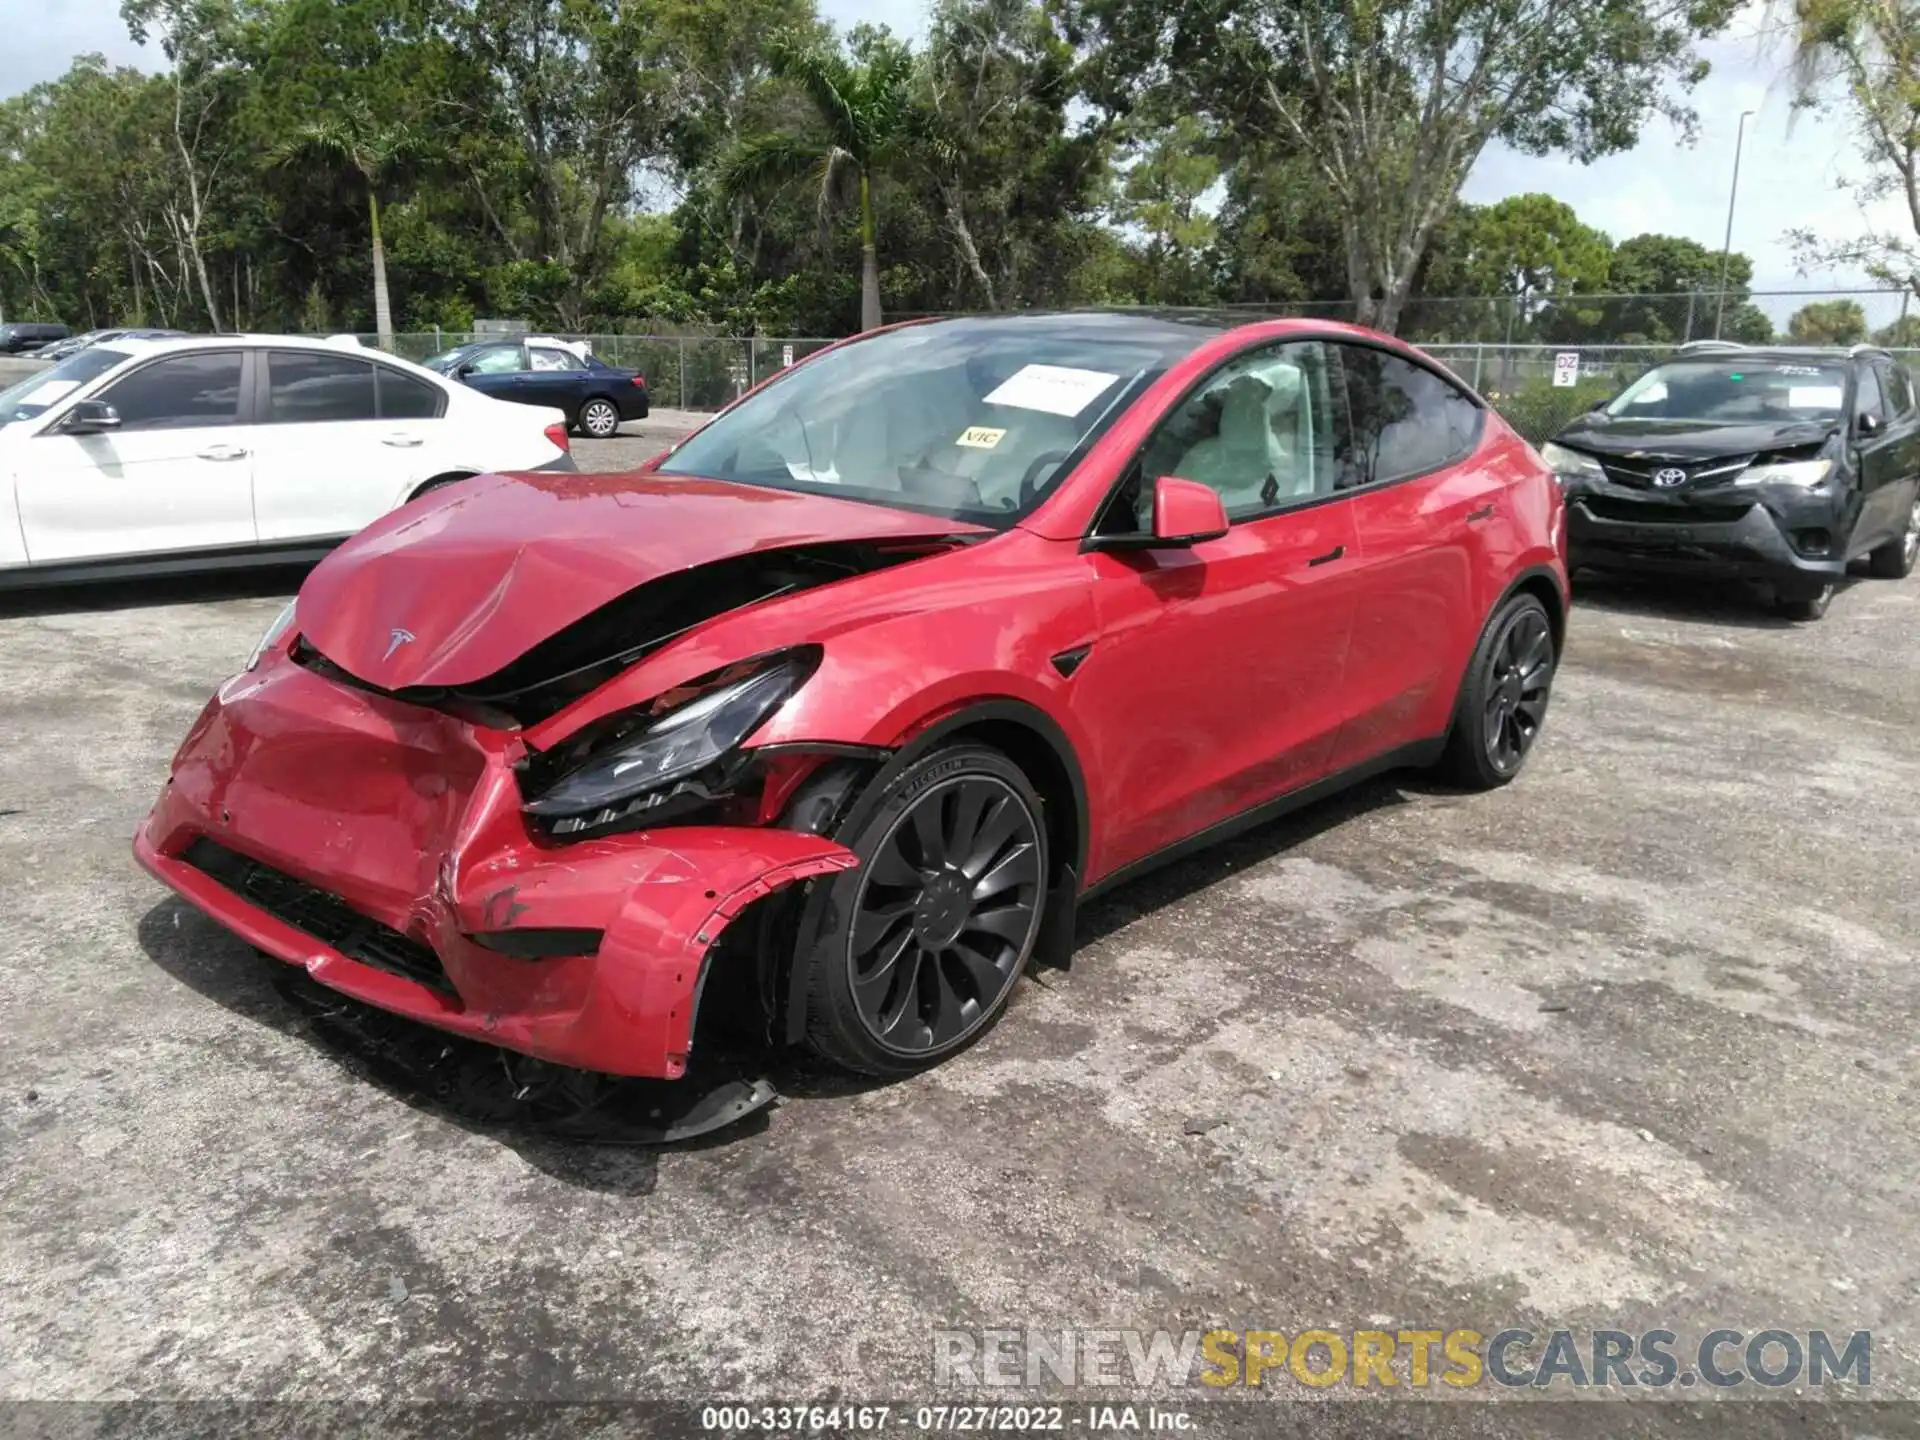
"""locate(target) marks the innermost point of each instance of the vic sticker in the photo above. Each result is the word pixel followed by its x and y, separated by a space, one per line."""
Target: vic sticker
pixel 979 437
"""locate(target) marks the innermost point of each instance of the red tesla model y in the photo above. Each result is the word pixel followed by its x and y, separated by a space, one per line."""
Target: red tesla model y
pixel 902 656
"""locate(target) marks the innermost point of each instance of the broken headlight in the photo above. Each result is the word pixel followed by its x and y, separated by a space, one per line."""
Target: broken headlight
pixel 1570 464
pixel 674 748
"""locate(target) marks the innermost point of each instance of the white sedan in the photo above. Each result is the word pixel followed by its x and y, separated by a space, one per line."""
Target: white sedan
pixel 146 457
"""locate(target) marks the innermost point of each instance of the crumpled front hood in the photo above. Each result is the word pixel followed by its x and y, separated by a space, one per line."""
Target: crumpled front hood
pixel 450 589
pixel 1685 439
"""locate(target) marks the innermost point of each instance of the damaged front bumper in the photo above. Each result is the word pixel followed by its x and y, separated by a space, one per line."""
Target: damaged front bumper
pixel 1784 534
pixel 380 846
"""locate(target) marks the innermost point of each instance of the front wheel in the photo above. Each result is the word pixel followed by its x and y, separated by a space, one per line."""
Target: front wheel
pixel 1503 700
pixel 1805 604
pixel 599 419
pixel 1895 559
pixel 911 956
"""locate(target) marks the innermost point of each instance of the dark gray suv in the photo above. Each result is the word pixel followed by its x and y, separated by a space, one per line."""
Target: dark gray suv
pixel 1779 465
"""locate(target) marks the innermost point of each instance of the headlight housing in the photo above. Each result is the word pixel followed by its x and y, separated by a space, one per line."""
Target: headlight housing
pixel 676 750
pixel 276 632
pixel 1806 473
pixel 1570 464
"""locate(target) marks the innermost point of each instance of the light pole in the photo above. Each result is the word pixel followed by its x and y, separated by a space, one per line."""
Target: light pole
pixel 1726 249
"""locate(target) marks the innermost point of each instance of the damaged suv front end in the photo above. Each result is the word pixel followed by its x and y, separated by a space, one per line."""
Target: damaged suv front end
pixel 1735 463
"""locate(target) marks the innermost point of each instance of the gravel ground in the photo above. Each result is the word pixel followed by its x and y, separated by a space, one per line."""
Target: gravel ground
pixel 1630 1044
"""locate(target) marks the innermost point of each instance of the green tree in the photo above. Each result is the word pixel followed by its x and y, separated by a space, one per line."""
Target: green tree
pixel 197 37
pixel 1828 322
pixel 1014 183
pixel 864 110
pixel 1902 334
pixel 1393 103
pixel 1527 251
pixel 1160 193
pixel 352 139
pixel 575 98
pixel 1667 289
pixel 1865 55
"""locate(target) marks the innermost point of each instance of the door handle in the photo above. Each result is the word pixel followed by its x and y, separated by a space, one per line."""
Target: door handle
pixel 1485 512
pixel 1327 559
pixel 224 452
pixel 403 442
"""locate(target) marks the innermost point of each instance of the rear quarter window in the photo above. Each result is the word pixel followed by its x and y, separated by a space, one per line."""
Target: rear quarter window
pixel 1404 419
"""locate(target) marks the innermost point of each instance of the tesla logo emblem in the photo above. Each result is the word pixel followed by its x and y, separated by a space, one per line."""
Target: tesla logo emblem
pixel 395 639
pixel 1665 479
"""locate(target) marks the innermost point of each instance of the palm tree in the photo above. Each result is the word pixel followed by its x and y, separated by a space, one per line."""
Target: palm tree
pixel 351 139
pixel 865 107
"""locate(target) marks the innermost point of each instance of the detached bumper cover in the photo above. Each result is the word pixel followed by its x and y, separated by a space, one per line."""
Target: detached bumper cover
pixel 1739 535
pixel 295 801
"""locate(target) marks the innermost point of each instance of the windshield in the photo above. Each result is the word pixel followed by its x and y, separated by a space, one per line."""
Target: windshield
pixel 37 393
pixel 969 419
pixel 1735 390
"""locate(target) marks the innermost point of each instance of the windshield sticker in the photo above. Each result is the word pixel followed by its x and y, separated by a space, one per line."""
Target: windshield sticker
pixel 46 394
pixel 1055 389
pixel 1799 369
pixel 1813 397
pixel 979 437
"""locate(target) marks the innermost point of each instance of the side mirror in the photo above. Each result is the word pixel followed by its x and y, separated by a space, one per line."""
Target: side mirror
pixel 1186 512
pixel 91 417
pixel 462 372
pixel 1867 424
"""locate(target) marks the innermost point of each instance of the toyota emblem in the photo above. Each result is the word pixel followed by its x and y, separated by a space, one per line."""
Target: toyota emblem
pixel 1668 478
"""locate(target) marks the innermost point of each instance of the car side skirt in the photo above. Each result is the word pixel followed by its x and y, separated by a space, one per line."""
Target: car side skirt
pixel 160 564
pixel 1417 755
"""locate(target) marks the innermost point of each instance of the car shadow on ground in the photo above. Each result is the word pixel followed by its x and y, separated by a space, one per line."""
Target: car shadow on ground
pixel 582 1129
pixel 1742 604
pixel 267 582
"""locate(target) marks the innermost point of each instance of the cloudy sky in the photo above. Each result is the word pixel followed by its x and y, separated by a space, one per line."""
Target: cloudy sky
pixel 1788 173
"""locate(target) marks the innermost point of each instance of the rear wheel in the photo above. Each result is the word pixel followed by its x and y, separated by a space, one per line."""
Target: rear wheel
pixel 1805 604
pixel 599 418
pixel 1895 559
pixel 1503 701
pixel 911 956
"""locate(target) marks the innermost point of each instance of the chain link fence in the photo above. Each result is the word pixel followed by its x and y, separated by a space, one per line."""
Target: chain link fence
pixel 684 372
pixel 1540 361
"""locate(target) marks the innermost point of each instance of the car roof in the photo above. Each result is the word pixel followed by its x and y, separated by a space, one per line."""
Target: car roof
pixel 1711 350
pixel 139 348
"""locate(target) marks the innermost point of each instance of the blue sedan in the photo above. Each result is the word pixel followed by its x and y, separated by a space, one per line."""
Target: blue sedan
pixel 558 375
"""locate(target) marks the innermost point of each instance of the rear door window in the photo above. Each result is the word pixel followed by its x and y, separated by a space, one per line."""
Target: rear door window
pixel 309 388
pixel 406 397
pixel 197 389
pixel 1404 420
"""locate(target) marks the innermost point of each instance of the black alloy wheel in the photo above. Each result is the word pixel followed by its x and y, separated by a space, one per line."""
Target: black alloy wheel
pixel 1503 698
pixel 1517 692
pixel 912 955
pixel 950 905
